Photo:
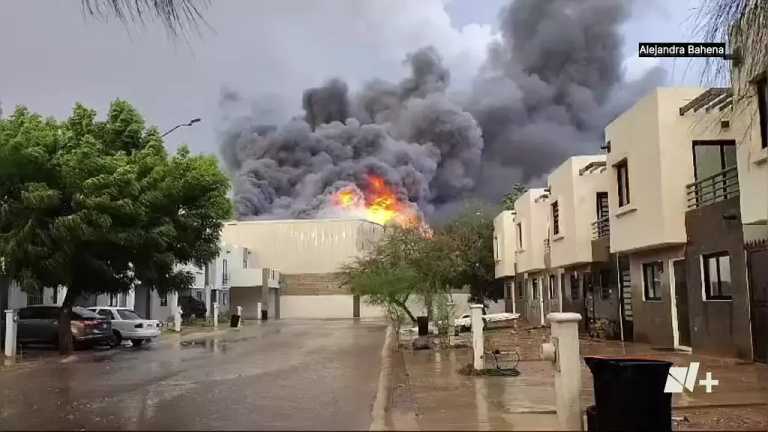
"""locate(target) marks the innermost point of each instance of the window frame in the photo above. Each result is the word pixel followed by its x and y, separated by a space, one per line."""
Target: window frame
pixel 622 182
pixel 520 290
pixel 575 288
pixel 534 288
pixel 552 284
pixel 555 212
pixel 761 89
pixel 646 292
pixel 707 283
pixel 519 232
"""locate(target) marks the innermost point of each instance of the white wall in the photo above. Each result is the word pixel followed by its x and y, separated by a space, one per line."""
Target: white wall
pixel 576 196
pixel 325 306
pixel 657 144
pixel 504 243
pixel 17 298
pixel 531 210
pixel 302 246
pixel 751 158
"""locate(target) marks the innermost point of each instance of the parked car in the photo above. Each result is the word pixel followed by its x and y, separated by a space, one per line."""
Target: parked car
pixel 191 307
pixel 40 324
pixel 128 325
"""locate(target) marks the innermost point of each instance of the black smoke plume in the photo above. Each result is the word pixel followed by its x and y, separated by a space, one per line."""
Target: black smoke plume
pixel 547 90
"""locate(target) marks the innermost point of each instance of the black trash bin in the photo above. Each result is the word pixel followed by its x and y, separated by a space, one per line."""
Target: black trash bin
pixel 234 320
pixel 423 323
pixel 629 394
pixel 264 315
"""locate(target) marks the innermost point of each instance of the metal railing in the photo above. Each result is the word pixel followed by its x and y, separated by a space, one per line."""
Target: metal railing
pixel 601 228
pixel 712 189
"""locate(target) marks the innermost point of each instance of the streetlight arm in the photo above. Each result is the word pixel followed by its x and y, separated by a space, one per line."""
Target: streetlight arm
pixel 189 123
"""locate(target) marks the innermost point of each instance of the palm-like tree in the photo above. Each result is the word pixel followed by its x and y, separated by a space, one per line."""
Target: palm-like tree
pixel 744 24
pixel 178 17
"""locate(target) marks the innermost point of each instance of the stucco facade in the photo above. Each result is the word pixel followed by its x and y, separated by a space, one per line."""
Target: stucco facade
pixel 309 253
pixel 504 241
pixel 655 142
pixel 531 218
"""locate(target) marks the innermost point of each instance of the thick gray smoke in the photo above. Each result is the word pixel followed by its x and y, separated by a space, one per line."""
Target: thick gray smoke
pixel 410 134
pixel 546 92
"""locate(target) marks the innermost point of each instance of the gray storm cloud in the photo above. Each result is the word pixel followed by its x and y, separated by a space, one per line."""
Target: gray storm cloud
pixel 547 90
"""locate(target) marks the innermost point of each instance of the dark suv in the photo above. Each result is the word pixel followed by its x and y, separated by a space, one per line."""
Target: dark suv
pixel 40 324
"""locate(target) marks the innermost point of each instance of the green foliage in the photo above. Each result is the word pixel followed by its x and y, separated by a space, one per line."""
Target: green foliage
pixel 508 202
pixel 407 264
pixel 99 206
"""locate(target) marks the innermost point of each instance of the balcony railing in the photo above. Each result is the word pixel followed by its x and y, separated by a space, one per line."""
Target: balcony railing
pixel 547 246
pixel 601 228
pixel 712 189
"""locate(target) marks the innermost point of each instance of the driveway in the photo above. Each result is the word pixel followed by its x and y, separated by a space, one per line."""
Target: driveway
pixel 273 375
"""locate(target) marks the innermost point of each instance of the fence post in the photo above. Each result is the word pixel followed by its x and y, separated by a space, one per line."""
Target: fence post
pixel 240 316
pixel 11 326
pixel 177 319
pixel 478 344
pixel 216 315
pixel 563 352
pixel 258 310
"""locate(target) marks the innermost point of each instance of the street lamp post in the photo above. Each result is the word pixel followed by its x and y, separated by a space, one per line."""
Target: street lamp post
pixel 189 123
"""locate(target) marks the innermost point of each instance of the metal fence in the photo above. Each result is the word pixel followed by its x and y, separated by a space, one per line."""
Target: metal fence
pixel 712 189
pixel 601 228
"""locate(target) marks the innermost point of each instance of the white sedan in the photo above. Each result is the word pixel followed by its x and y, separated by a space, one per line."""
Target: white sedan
pixel 127 325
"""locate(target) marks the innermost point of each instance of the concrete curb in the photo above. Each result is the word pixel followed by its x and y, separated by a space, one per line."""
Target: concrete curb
pixel 381 404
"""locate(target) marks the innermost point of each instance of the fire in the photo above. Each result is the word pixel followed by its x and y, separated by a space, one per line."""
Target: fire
pixel 378 202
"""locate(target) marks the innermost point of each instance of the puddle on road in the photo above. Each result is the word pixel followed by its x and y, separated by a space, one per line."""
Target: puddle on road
pixel 210 345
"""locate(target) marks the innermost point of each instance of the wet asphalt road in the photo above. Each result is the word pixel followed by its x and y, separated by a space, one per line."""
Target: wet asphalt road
pixel 276 375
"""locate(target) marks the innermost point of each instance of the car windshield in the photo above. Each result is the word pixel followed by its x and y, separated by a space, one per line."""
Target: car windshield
pixel 128 314
pixel 80 312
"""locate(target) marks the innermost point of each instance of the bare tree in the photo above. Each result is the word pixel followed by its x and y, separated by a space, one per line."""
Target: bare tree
pixel 178 17
pixel 741 23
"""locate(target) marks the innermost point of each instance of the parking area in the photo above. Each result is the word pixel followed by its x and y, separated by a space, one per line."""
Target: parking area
pixel 267 375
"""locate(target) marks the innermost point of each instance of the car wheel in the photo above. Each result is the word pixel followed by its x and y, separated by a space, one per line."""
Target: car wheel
pixel 137 342
pixel 116 340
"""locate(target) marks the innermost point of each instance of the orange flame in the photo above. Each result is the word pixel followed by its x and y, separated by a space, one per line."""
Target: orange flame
pixel 379 203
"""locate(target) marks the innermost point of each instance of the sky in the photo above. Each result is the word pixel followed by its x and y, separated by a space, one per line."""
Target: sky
pixel 268 50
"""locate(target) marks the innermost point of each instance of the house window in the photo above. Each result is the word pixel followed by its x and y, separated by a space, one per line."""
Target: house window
pixel 113 300
pixel 602 205
pixel 717 276
pixel 519 227
pixel 711 157
pixel 214 296
pixel 652 273
pixel 762 105
pixel 555 218
pixel 164 300
pixel 224 297
pixel 520 290
pixel 622 180
pixel 245 257
pixel 605 284
pixel 552 288
pixel 224 273
pixel 207 275
pixel 496 251
pixel 574 286
pixel 535 288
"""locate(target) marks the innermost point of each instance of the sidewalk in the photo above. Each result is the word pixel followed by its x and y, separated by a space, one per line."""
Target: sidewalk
pixel 441 398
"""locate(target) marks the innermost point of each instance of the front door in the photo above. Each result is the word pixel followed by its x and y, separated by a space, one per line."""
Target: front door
pixel 758 282
pixel 681 305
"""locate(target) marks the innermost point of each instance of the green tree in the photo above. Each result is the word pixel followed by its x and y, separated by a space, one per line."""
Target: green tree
pixel 100 206
pixel 470 240
pixel 508 202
